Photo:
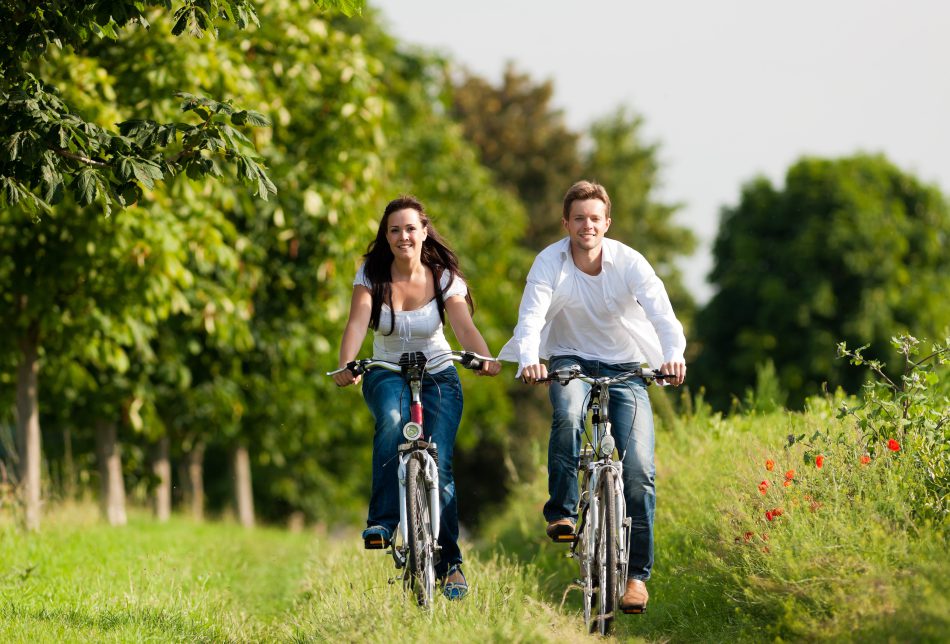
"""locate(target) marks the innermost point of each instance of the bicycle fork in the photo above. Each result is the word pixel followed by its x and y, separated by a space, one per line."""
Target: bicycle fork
pixel 430 470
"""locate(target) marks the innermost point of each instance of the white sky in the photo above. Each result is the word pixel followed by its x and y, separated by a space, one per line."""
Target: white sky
pixel 730 89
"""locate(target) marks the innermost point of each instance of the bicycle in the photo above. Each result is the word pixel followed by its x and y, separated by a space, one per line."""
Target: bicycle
pixel 417 550
pixel 600 538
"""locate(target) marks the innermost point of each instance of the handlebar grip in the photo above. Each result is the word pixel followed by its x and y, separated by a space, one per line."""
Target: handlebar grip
pixel 356 368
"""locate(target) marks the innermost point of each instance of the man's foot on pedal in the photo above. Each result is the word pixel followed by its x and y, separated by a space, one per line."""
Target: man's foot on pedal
pixel 454 585
pixel 634 600
pixel 376 537
pixel 561 530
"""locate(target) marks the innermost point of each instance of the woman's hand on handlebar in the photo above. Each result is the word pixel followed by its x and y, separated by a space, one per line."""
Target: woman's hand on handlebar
pixel 534 372
pixel 346 378
pixel 489 368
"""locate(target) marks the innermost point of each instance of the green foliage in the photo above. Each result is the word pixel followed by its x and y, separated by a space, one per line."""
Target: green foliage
pixel 909 413
pixel 523 139
pixel 850 249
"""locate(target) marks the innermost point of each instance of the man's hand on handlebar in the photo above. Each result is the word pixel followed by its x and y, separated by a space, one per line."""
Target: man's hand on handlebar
pixel 532 373
pixel 675 369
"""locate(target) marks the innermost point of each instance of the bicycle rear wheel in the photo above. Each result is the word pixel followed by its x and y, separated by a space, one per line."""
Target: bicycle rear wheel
pixel 420 570
pixel 606 554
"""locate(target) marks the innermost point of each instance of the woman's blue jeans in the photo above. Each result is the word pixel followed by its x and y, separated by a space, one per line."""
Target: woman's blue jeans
pixel 631 420
pixel 387 396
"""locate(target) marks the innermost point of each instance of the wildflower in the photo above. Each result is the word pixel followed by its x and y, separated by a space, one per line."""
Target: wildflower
pixel 787 483
pixel 764 487
pixel 893 445
pixel 769 515
pixel 819 461
pixel 769 465
pixel 765 549
pixel 789 475
pixel 865 459
pixel 748 536
pixel 777 512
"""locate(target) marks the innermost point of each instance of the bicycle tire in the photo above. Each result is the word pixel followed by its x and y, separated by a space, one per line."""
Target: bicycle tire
pixel 606 553
pixel 420 570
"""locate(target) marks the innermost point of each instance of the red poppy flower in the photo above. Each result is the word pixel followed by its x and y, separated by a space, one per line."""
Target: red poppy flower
pixel 769 515
pixel 777 512
pixel 787 483
pixel 789 475
pixel 748 536
pixel 770 465
pixel 763 487
pixel 819 461
pixel 865 459
pixel 893 445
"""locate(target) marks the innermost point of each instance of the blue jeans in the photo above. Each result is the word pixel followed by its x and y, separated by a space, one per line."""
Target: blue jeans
pixel 631 420
pixel 387 396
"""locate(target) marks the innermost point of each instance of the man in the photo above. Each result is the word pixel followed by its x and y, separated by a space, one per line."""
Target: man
pixel 595 303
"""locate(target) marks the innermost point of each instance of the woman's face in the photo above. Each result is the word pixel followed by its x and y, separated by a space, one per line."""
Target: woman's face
pixel 405 234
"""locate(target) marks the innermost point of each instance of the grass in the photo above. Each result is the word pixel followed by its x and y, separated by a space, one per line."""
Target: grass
pixel 844 562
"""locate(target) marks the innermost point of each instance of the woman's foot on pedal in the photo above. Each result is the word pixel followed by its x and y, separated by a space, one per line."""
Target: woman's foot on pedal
pixel 454 585
pixel 376 537
pixel 561 530
pixel 634 600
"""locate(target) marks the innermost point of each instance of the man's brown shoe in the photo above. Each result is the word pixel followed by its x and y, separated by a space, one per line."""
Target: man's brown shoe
pixel 634 600
pixel 561 530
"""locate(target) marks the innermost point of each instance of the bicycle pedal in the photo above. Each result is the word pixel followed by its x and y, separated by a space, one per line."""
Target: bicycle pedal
pixel 564 538
pixel 634 610
pixel 375 542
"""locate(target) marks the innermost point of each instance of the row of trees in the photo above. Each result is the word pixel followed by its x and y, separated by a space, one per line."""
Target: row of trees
pixel 194 326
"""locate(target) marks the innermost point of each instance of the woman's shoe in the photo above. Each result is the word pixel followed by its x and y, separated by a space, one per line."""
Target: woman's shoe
pixel 454 586
pixel 376 537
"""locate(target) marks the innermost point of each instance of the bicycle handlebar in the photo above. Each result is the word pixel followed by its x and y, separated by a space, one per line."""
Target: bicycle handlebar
pixel 468 360
pixel 564 376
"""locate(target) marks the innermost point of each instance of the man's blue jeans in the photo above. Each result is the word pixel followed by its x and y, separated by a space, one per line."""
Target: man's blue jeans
pixel 631 420
pixel 387 396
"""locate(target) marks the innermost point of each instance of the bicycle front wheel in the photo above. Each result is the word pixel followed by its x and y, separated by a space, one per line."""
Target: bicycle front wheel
pixel 606 553
pixel 421 566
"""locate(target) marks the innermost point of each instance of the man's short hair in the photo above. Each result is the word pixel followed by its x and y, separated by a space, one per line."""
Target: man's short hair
pixel 585 190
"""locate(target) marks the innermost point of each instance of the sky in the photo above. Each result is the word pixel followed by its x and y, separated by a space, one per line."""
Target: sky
pixel 729 90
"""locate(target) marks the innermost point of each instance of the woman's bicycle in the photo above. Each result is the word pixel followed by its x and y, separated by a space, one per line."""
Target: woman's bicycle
pixel 602 534
pixel 415 549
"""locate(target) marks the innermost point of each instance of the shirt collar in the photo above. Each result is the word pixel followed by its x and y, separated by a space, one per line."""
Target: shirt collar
pixel 606 247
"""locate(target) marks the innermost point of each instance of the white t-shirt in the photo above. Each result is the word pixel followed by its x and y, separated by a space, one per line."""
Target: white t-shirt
pixel 416 330
pixel 586 309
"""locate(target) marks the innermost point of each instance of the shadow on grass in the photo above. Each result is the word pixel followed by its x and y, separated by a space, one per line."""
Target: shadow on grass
pixel 146 622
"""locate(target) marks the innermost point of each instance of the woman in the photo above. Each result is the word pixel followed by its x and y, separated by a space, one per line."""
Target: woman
pixel 408 283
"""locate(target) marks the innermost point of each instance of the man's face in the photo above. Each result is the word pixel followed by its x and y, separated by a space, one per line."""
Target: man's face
pixel 586 224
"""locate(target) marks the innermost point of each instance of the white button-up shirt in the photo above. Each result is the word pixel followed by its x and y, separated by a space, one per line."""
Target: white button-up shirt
pixel 632 293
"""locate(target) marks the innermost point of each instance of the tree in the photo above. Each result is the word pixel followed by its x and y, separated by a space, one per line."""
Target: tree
pixel 522 137
pixel 851 250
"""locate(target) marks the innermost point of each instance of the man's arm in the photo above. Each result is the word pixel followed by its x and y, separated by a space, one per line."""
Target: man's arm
pixel 524 347
pixel 652 296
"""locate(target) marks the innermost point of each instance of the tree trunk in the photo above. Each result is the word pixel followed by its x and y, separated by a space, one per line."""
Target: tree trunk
pixel 28 426
pixel 243 496
pixel 196 486
pixel 69 465
pixel 110 472
pixel 162 469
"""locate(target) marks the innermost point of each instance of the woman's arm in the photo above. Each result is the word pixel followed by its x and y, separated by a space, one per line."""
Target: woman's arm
pixel 360 308
pixel 456 309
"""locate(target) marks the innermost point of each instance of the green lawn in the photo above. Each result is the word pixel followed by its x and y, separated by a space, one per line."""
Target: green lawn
pixel 843 562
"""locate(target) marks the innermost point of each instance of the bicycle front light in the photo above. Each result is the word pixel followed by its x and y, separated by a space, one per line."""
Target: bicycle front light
pixel 412 431
pixel 607 445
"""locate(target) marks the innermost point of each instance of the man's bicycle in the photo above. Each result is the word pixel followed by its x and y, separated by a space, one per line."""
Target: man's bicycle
pixel 602 534
pixel 415 547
